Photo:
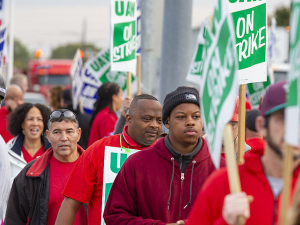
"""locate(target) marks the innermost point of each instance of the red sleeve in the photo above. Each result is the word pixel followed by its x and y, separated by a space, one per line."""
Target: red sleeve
pixel 209 204
pixel 85 174
pixel 121 206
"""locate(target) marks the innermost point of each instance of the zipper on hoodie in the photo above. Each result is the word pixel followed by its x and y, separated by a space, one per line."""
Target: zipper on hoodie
pixel 180 198
pixel 180 163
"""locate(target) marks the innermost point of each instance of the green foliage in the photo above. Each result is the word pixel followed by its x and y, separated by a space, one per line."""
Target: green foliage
pixel 21 55
pixel 68 51
pixel 282 16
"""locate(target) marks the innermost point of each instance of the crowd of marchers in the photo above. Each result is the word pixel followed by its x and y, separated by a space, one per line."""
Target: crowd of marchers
pixel 52 161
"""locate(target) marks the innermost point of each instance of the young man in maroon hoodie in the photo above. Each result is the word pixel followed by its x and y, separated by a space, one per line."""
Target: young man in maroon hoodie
pixel 159 185
pixel 260 176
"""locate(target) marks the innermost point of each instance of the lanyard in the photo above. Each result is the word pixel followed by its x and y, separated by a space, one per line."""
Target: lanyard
pixel 123 148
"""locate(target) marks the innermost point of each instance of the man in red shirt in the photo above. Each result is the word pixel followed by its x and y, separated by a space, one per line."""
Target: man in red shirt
pixel 35 196
pixel 13 98
pixel 85 185
pixel 260 176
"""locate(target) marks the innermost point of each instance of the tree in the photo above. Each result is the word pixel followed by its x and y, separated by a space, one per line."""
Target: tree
pixel 68 51
pixel 282 16
pixel 21 55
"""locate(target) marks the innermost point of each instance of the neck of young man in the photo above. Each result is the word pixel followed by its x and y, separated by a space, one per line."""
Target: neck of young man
pixel 182 147
pixel 32 145
pixel 67 158
pixel 273 163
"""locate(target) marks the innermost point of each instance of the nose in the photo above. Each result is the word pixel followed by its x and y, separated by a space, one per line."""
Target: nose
pixel 64 136
pixel 154 123
pixel 190 122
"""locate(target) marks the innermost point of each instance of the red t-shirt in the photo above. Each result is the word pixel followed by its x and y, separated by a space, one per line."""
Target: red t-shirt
pixel 103 125
pixel 59 175
pixel 3 121
pixel 257 145
pixel 86 180
pixel 28 158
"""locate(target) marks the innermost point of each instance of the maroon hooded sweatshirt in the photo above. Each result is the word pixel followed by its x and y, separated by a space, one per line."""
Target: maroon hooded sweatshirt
pixel 150 188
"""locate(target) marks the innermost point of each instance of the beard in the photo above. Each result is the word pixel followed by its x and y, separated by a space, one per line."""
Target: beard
pixel 276 148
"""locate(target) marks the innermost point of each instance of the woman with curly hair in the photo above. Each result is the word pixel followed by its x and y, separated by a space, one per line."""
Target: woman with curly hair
pixel 27 123
pixel 104 117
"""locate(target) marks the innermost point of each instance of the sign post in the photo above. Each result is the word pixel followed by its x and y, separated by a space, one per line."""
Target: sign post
pixel 138 46
pixel 123 37
pixel 292 111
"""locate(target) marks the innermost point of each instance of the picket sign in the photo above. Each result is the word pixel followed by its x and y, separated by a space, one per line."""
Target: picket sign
pixel 196 67
pixel 97 72
pixel 258 89
pixel 76 78
pixel 114 159
pixel 250 24
pixel 123 38
pixel 292 111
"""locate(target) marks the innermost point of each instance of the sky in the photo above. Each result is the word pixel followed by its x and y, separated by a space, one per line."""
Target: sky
pixel 46 24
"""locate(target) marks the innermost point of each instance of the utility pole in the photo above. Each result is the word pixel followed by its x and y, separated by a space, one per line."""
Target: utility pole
pixel 177 33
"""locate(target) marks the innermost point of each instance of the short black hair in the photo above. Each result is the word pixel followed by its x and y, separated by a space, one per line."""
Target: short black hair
pixel 17 117
pixel 141 97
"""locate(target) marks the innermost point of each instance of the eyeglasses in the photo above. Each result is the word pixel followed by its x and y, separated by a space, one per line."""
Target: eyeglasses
pixel 67 114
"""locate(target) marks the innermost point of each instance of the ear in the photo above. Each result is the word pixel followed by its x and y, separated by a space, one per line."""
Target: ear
pixel 128 119
pixel 167 123
pixel 22 125
pixel 48 135
pixel 79 134
pixel 259 125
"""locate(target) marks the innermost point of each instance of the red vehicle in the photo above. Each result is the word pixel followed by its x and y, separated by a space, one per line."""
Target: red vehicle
pixel 43 74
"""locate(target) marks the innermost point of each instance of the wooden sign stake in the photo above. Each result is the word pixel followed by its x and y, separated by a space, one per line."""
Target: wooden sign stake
pixel 233 175
pixel 241 127
pixel 287 173
pixel 129 84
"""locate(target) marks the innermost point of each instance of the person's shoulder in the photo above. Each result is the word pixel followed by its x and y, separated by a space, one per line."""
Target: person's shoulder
pixel 218 178
pixel 21 177
pixel 112 141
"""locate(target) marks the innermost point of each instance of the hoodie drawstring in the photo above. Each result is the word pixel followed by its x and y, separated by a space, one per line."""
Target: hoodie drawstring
pixel 190 200
pixel 171 183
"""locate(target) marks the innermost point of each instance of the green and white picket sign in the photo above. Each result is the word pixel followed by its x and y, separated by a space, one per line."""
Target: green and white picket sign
pixel 114 159
pixel 258 89
pixel 96 72
pixel 220 82
pixel 123 35
pixel 292 112
pixel 196 67
pixel 76 78
pixel 250 24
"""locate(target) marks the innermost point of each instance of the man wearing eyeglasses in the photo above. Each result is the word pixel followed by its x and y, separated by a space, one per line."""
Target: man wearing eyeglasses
pixel 35 196
pixel 144 123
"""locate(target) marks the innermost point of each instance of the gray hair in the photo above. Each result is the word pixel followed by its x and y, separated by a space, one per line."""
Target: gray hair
pixel 60 119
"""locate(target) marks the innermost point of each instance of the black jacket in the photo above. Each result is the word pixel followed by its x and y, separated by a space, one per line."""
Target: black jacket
pixel 29 195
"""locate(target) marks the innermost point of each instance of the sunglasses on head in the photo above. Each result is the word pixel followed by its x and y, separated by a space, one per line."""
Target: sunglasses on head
pixel 67 114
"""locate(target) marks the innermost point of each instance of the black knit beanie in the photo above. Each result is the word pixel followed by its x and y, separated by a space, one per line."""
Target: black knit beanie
pixel 251 118
pixel 180 95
